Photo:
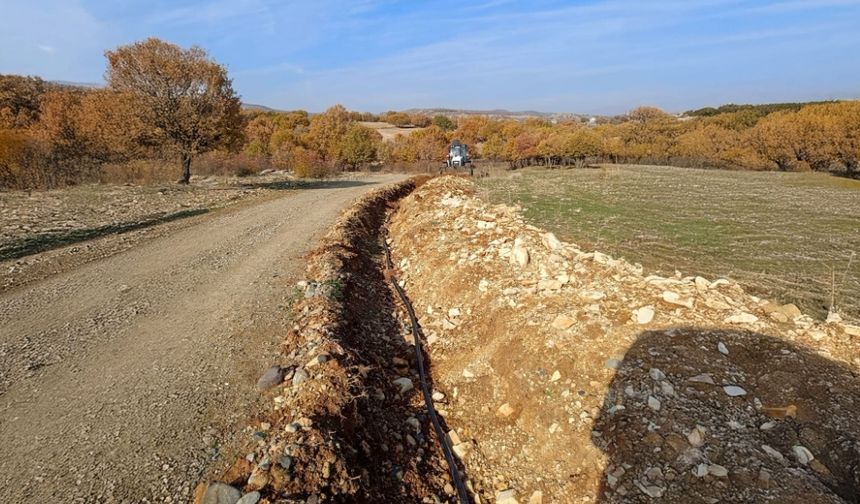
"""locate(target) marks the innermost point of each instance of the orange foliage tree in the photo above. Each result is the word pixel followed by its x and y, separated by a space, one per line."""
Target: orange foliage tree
pixel 182 94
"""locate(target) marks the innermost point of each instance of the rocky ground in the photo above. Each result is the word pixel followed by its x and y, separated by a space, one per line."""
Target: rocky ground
pixel 40 221
pixel 129 369
pixel 567 375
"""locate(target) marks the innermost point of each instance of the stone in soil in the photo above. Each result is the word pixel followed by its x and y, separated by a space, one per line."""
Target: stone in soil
pixel 271 378
pixel 734 391
pixel 219 493
pixel 250 498
pixel 563 322
pixel 405 384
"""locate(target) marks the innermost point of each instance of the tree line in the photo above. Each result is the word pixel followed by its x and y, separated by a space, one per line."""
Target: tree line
pixel 166 104
pixel 820 136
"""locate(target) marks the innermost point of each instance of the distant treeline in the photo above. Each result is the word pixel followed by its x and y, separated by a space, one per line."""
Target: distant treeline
pixel 164 105
pixel 761 110
pixel 821 137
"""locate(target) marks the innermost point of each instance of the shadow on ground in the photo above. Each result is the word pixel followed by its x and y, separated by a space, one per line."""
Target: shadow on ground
pixel 397 462
pixel 52 240
pixel 47 241
pixel 794 398
pixel 286 185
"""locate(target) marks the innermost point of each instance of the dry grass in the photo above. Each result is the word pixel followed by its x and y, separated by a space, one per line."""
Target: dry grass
pixel 787 236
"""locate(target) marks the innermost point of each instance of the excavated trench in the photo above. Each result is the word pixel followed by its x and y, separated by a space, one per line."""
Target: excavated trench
pixel 348 421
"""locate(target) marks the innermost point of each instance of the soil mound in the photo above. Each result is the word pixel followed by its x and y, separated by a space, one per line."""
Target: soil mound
pixel 571 376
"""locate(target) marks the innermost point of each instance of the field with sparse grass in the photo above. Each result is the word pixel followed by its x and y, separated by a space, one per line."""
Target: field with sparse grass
pixel 792 237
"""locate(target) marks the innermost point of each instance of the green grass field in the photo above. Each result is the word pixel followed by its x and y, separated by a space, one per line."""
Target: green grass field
pixel 791 237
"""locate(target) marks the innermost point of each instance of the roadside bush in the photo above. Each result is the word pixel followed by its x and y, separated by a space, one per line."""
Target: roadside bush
pixel 309 164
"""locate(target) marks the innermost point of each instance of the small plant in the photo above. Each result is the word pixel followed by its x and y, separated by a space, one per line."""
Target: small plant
pixel 334 289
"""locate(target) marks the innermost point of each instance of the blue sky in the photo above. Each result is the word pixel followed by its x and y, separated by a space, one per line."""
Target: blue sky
pixel 576 56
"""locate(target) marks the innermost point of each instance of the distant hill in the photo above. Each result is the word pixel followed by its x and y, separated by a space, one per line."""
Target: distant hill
pixel 258 108
pixel 85 85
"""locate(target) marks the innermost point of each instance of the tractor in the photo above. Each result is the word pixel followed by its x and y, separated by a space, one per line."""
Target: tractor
pixel 458 156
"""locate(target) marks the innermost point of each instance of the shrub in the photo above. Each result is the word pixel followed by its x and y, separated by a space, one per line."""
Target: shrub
pixel 308 164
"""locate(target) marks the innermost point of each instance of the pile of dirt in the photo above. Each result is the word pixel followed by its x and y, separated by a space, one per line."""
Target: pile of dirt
pixel 348 422
pixel 572 376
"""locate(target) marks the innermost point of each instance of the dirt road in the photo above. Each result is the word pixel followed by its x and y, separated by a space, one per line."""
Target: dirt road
pixel 122 378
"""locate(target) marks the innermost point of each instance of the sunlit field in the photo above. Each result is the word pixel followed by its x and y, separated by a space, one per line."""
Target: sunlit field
pixel 793 237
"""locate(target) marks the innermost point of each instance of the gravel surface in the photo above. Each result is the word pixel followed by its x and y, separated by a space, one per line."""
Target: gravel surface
pixel 119 378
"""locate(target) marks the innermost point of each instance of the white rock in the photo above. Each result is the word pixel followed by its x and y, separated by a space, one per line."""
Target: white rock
pixel 656 374
pixel 696 437
pixel 653 403
pixel 593 295
pixel 734 390
pixel 721 347
pixel 650 490
pixel 851 330
pixel 667 388
pixel 701 283
pixel 718 471
pixel 405 384
pixel 719 282
pixel 772 452
pixel 520 255
pixel 556 376
pixel 468 374
pixel 483 285
pixel 550 241
pixel 701 470
pixel 644 315
pixel 453 312
pixel 676 299
pixel 461 450
pixel 438 396
pixel 549 285
pixel 505 410
pixel 816 335
pixel 508 496
pixel 802 454
pixel 702 378
pixel 741 318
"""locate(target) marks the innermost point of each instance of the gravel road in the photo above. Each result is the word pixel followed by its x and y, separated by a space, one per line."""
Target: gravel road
pixel 123 378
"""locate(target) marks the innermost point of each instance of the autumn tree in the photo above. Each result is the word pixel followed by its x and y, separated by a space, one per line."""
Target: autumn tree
pixel 326 131
pixel 420 120
pixel 846 140
pixel 182 94
pixel 20 100
pixel 645 115
pixel 443 122
pixel 396 118
pixel 358 145
pixel 770 138
pixel 258 135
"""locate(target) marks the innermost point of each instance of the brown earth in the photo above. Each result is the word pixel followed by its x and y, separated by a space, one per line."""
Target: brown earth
pixel 570 376
pixel 124 375
pixel 342 428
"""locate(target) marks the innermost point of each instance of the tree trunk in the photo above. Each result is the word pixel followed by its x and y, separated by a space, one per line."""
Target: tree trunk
pixel 186 168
